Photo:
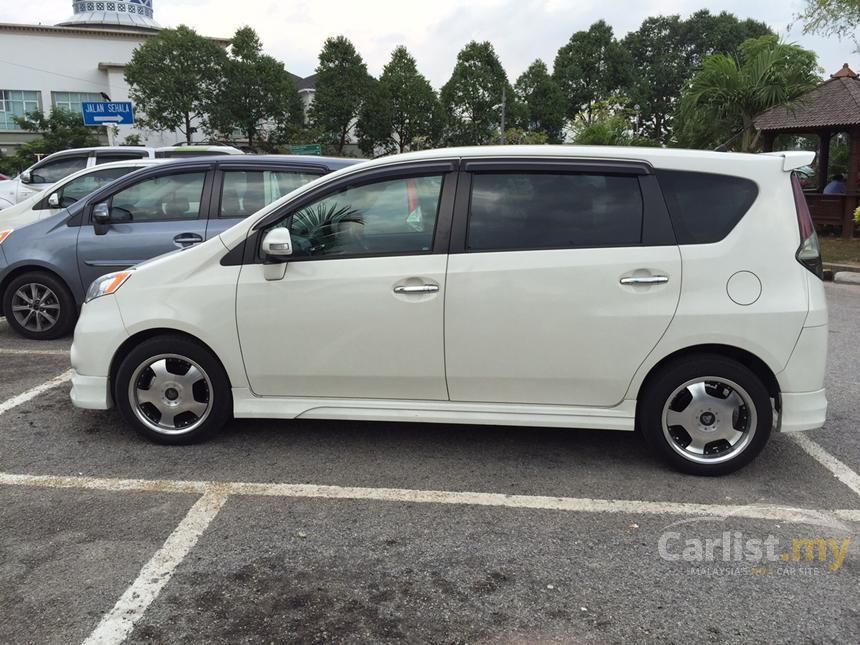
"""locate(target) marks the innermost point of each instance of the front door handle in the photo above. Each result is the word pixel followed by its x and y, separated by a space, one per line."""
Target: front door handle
pixel 645 279
pixel 187 239
pixel 417 288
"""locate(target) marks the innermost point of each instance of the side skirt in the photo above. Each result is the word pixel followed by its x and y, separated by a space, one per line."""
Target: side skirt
pixel 620 417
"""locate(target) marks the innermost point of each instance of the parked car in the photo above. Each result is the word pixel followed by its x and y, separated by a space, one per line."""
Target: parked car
pixel 674 292
pixel 46 267
pixel 62 164
pixel 66 192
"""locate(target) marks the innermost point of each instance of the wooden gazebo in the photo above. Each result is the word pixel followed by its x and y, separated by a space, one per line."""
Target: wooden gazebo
pixel 829 109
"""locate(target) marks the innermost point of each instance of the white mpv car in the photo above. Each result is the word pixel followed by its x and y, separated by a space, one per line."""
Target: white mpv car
pixel 677 293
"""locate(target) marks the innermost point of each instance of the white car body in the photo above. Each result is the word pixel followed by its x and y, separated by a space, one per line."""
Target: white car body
pixel 544 337
pixel 38 207
pixel 28 183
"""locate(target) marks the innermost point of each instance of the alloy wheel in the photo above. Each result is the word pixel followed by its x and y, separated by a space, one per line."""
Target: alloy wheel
pixel 170 394
pixel 35 307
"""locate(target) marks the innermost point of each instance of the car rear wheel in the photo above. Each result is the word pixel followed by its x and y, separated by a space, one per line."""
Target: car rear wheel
pixel 173 390
pixel 706 415
pixel 40 306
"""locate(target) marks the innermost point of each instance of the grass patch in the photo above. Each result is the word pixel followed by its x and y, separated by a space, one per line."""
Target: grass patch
pixel 839 251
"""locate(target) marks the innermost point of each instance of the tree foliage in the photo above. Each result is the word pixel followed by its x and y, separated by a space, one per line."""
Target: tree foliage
pixel 415 113
pixel 472 97
pixel 543 103
pixel 728 92
pixel 590 68
pixel 58 130
pixel 839 18
pixel 172 78
pixel 255 92
pixel 341 87
pixel 375 121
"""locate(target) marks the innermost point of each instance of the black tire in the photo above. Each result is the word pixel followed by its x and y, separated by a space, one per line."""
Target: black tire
pixel 171 354
pixel 723 458
pixel 56 302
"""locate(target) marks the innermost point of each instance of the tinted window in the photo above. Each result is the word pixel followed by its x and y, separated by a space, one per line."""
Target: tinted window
pixel 119 156
pixel 510 211
pixel 160 199
pixel 179 152
pixel 705 207
pixel 54 171
pixel 394 216
pixel 247 191
pixel 83 186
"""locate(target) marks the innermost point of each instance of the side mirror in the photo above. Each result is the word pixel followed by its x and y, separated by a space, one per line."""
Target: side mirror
pixel 101 214
pixel 277 244
pixel 26 177
pixel 54 200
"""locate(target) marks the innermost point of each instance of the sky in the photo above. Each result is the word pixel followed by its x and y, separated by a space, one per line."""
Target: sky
pixel 520 30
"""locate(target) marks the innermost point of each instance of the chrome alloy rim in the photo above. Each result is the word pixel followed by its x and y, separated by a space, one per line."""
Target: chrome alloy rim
pixel 35 307
pixel 170 394
pixel 709 420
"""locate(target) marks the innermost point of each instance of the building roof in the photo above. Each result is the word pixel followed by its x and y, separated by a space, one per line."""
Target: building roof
pixel 834 103
pixel 90 32
pixel 121 14
pixel 306 83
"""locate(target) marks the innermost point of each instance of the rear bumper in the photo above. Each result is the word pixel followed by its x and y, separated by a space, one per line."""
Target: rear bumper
pixel 90 392
pixel 803 411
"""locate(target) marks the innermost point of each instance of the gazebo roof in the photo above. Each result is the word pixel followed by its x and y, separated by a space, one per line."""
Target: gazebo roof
pixel 836 102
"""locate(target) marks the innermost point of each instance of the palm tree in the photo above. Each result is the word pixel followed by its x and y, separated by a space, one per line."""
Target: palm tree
pixel 727 94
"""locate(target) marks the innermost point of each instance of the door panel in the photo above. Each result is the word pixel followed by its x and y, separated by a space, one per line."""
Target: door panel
pixel 337 328
pixel 554 327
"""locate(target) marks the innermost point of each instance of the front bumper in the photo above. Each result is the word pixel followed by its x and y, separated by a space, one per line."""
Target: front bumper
pixel 91 392
pixel 803 410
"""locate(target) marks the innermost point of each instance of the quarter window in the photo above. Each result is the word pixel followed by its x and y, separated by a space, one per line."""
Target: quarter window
pixel 173 197
pixel 247 191
pixel 16 103
pixel 519 211
pixel 396 216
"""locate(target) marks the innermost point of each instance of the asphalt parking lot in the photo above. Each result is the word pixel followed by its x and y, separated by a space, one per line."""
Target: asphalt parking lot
pixel 313 532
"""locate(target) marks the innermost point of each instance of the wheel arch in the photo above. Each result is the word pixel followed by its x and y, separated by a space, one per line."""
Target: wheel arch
pixel 135 339
pixel 29 268
pixel 742 356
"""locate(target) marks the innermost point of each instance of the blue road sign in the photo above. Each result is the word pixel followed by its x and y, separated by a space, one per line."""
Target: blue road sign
pixel 117 113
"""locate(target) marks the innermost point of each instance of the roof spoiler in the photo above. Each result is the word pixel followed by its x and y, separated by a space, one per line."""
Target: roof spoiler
pixel 794 159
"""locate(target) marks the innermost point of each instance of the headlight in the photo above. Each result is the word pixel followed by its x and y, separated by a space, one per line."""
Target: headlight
pixel 107 284
pixel 5 233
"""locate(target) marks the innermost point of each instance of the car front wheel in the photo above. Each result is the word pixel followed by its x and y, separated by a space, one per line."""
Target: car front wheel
pixel 706 415
pixel 40 306
pixel 172 390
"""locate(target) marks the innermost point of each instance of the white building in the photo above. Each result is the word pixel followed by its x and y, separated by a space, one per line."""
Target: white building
pixel 81 59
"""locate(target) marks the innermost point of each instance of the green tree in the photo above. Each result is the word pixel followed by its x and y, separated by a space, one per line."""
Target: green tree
pixel 666 52
pixel 543 102
pixel 375 121
pixel 172 78
pixel 472 97
pixel 612 130
pixel 58 130
pixel 728 92
pixel 415 113
pixel 831 18
pixel 254 93
pixel 591 67
pixel 341 86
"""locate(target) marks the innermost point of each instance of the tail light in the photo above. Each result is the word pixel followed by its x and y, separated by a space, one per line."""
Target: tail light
pixel 809 252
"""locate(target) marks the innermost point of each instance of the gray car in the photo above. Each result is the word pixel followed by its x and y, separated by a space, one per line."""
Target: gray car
pixel 46 267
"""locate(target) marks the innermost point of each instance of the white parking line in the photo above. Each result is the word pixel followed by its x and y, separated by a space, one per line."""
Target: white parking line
pixel 839 470
pixel 34 352
pixel 117 624
pixel 32 393
pixel 464 498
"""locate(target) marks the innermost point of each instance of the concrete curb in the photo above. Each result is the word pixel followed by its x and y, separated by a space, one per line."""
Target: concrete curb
pixel 846 277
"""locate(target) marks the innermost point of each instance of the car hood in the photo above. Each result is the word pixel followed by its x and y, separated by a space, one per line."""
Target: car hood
pixel 21 214
pixel 8 189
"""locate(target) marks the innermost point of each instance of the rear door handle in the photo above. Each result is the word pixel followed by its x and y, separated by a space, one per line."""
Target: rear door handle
pixel 645 279
pixel 418 288
pixel 187 239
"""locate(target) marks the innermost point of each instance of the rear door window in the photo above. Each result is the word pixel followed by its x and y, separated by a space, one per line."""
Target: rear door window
pixel 119 156
pixel 57 169
pixel 705 207
pixel 521 211
pixel 80 187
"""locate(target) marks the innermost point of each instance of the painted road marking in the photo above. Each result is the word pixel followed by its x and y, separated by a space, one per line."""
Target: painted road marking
pixel 839 470
pixel 465 498
pixel 32 393
pixel 34 352
pixel 117 624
